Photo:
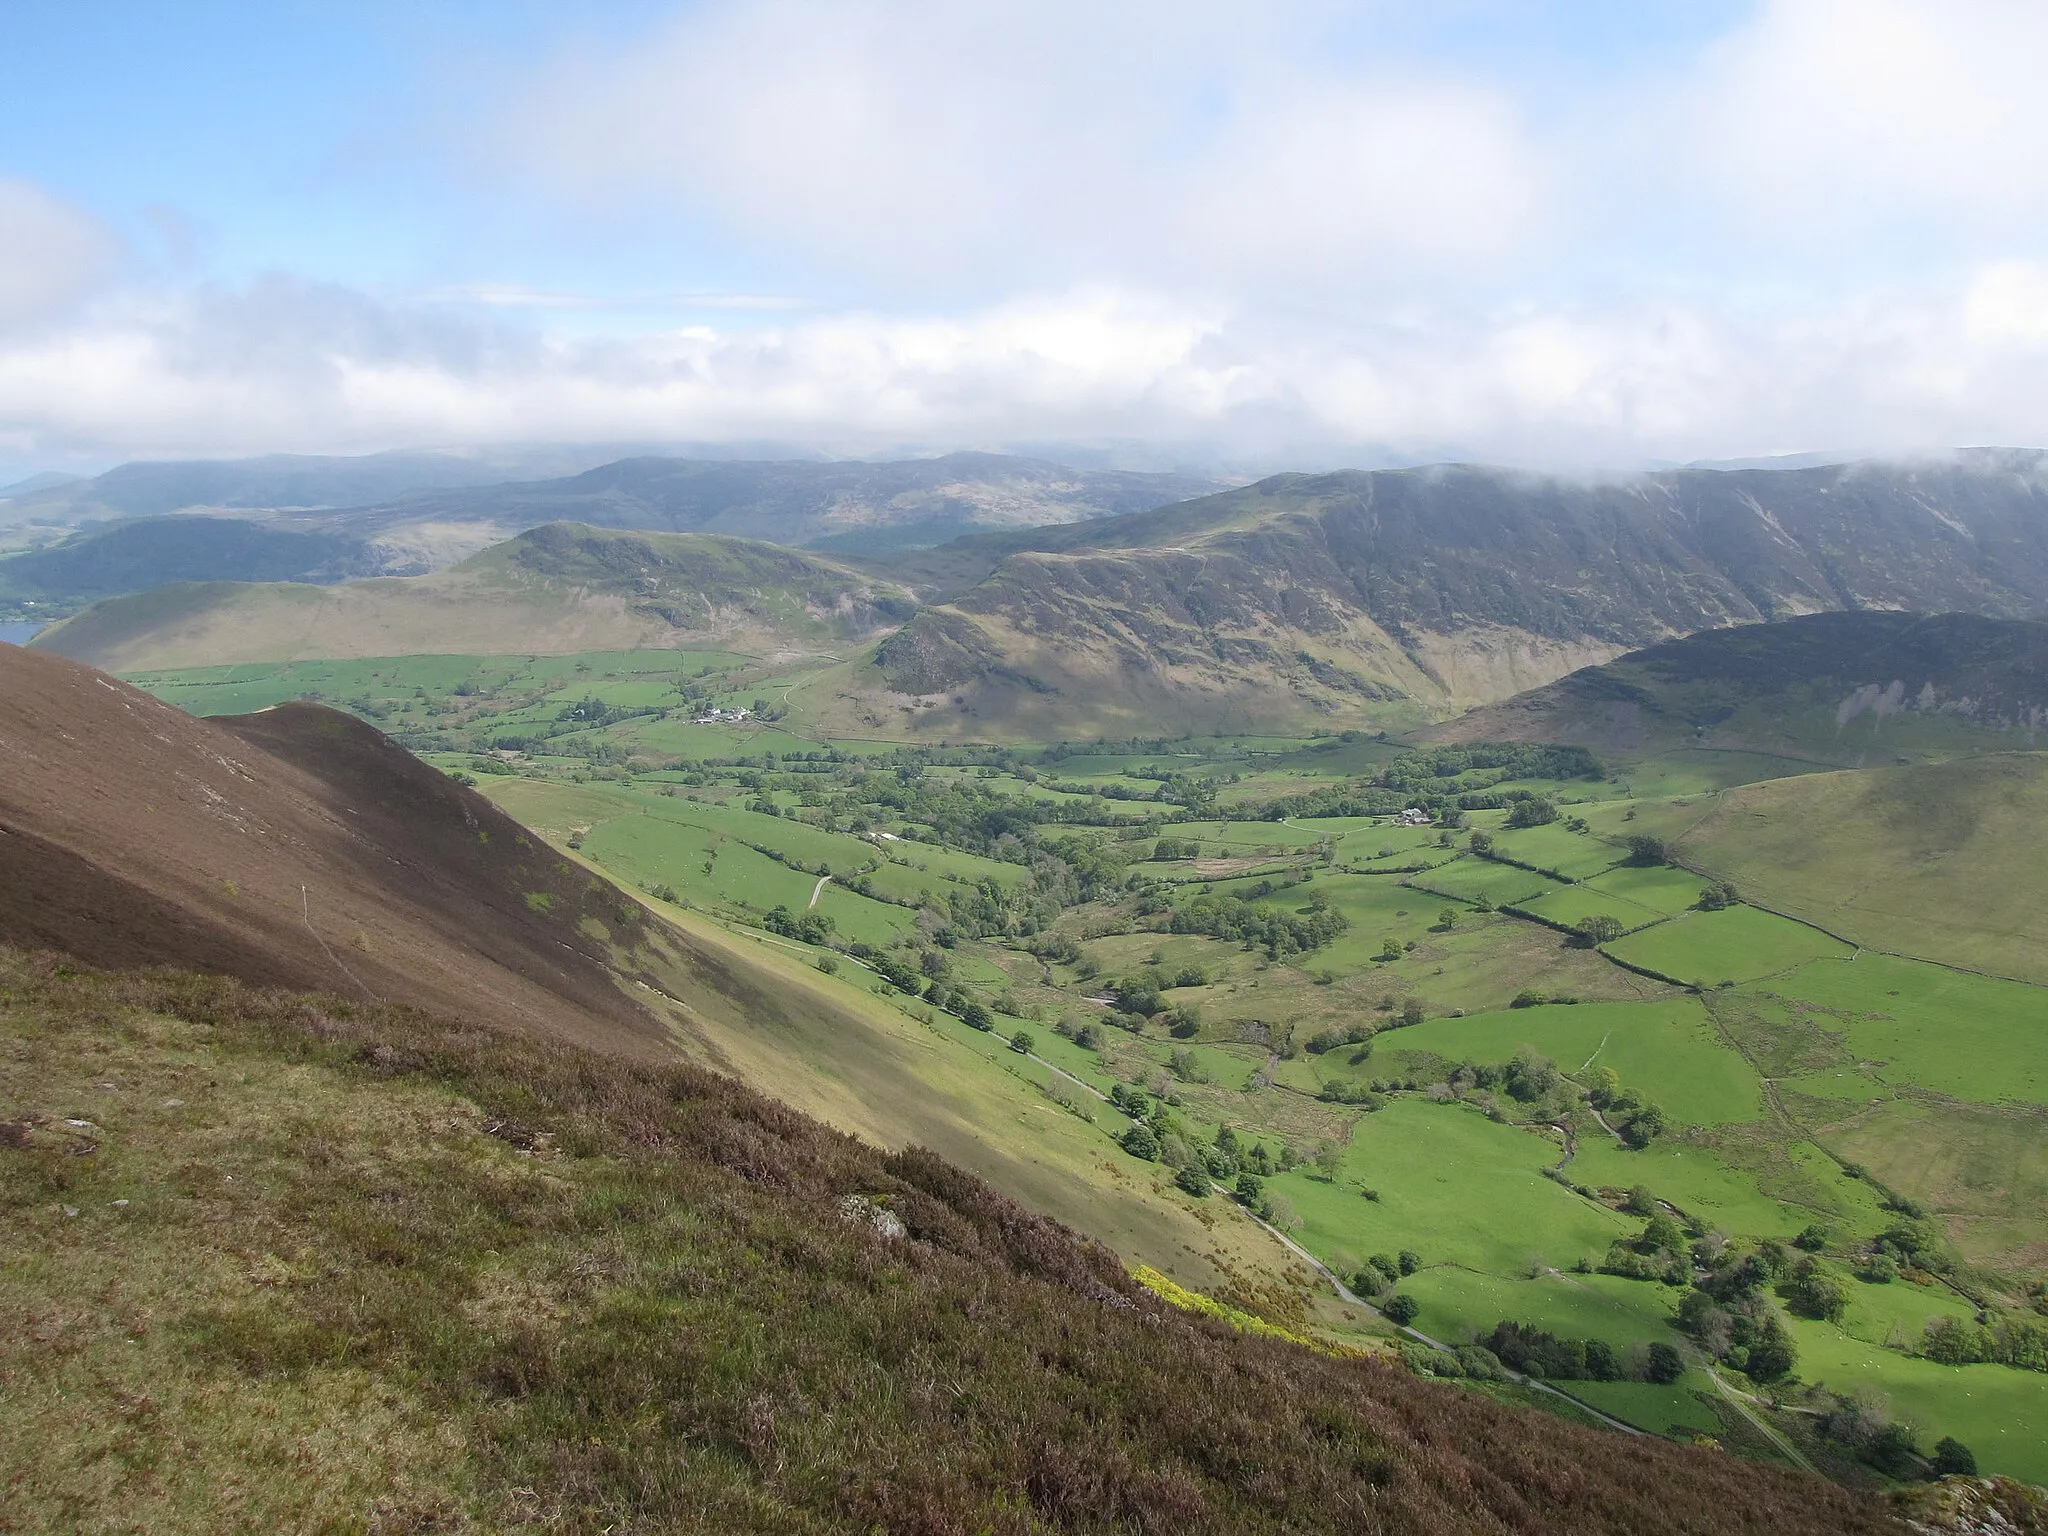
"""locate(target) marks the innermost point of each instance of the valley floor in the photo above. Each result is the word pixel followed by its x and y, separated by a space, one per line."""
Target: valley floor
pixel 1486 1073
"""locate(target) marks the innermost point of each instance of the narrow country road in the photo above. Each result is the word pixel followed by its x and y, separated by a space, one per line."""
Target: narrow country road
pixel 818 890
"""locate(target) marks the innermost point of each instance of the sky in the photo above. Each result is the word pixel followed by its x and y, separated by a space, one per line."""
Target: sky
pixel 1294 234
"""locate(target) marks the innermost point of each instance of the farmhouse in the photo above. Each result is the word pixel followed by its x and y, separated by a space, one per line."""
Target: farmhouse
pixel 1414 816
pixel 718 716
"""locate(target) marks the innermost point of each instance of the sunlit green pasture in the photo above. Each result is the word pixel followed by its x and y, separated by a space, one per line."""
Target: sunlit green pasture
pixel 1661 888
pixel 1574 855
pixel 1738 944
pixel 1573 903
pixel 1668 1051
pixel 1455 1187
pixel 2000 1413
pixel 1470 878
pixel 1974 1037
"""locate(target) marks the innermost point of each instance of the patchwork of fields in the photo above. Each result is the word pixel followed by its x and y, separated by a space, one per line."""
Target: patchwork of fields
pixel 1507 1056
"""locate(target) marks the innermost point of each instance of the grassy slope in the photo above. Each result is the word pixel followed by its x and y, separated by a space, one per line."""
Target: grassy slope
pixel 1938 860
pixel 860 1062
pixel 1854 689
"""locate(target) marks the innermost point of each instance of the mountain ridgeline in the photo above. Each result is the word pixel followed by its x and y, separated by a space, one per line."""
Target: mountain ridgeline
pixel 134 555
pixel 1383 599
pixel 551 591
pixel 845 505
pixel 1360 596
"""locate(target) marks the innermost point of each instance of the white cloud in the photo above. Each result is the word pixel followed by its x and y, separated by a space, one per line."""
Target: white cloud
pixel 1841 117
pixel 51 254
pixel 972 142
pixel 1191 222
pixel 284 365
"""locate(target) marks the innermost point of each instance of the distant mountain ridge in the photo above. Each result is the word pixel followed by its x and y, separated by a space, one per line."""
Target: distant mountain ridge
pixel 1332 597
pixel 131 556
pixel 553 590
pixel 409 513
pixel 847 504
pixel 156 488
pixel 1385 598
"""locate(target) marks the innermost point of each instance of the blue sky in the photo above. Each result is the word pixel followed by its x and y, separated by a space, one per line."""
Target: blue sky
pixel 1308 232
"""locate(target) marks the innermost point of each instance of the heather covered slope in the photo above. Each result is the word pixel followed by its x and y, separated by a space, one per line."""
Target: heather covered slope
pixel 311 1263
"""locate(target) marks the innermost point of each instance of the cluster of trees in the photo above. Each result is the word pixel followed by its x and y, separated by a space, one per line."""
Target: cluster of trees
pixel 807 927
pixel 2014 1340
pixel 1595 929
pixel 1383 1271
pixel 1536 811
pixel 1356 1094
pixel 1277 931
pixel 1639 1121
pixel 1813 1289
pixel 1331 1039
pixel 1730 1313
pixel 1139 1001
pixel 1860 1425
pixel 1661 1251
pixel 1162 1136
pixel 1534 1352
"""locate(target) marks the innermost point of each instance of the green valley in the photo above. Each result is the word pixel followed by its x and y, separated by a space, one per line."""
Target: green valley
pixel 1499 1034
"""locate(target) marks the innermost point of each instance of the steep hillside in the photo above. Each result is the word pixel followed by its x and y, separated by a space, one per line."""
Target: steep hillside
pixel 327 1265
pixel 1838 687
pixel 299 847
pixel 553 590
pixel 1937 860
pixel 843 505
pixel 1320 598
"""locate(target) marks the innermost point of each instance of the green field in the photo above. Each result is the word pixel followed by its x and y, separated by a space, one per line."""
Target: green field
pixel 2001 1414
pixel 1972 1037
pixel 1738 944
pixel 1453 1186
pixel 1571 904
pixel 1574 855
pixel 1669 1050
pixel 1469 879
pixel 1661 888
pixel 1941 861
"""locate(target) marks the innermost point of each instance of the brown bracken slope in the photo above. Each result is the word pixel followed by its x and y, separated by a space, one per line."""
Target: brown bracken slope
pixel 297 847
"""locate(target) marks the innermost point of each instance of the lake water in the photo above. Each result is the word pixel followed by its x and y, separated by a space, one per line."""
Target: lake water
pixel 17 634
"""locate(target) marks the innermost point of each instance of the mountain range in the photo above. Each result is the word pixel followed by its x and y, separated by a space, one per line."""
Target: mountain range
pixel 1377 599
pixel 295 518
pixel 845 505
